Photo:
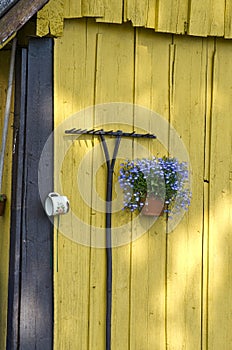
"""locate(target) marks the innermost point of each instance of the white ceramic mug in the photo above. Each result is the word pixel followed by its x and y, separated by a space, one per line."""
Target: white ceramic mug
pixel 55 204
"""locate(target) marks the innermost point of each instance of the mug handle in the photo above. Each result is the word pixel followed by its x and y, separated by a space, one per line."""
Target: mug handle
pixel 53 194
pixel 67 206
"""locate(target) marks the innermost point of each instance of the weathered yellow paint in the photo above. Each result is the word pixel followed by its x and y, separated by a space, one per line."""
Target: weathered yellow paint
pixel 112 12
pixel 148 261
pixel 209 48
pixel 152 14
pixel 72 9
pixel 207 17
pixel 169 291
pixel 67 102
pixel 73 79
pixel 6 188
pixel 199 18
pixel 50 19
pixel 228 19
pixel 220 204
pixel 92 8
pixel 172 16
pixel 136 12
pixel 119 66
pixel 184 249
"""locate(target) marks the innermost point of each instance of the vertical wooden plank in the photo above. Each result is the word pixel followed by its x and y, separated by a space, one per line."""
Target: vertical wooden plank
pixel 6 188
pixel 184 254
pixel 74 91
pixel 220 223
pixel 72 9
pixel 36 309
pixel 152 13
pixel 206 18
pixel 92 8
pixel 148 279
pixel 17 197
pixel 115 57
pixel 137 12
pixel 112 11
pixel 172 16
pixel 228 19
pixel 217 20
pixel 198 19
pixel 97 309
pixel 208 47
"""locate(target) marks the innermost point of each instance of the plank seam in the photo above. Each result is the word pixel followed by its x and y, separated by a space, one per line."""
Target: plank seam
pixel 206 204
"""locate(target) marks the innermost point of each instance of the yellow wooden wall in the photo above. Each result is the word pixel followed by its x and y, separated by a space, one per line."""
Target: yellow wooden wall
pixel 169 291
pixel 198 18
pixel 6 188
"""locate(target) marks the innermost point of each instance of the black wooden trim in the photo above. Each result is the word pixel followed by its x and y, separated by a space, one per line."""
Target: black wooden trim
pixel 32 318
pixel 17 195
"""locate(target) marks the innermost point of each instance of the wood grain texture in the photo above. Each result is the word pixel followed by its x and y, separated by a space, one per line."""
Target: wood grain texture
pixel 220 243
pixel 148 257
pixel 72 9
pixel 17 200
pixel 228 19
pixel 6 188
pixel 112 11
pixel 172 16
pixel 36 303
pixel 136 12
pixel 74 80
pixel 17 16
pixel 184 248
pixel 207 18
pixel 209 49
pixel 167 289
pixel 119 65
pixel 196 18
pixel 92 8
pixel 152 14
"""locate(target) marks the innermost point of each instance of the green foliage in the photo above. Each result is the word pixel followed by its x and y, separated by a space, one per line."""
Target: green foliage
pixel 164 178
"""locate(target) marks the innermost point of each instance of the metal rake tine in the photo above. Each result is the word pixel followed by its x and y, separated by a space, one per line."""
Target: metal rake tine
pixel 98 132
pixel 110 133
pixel 70 131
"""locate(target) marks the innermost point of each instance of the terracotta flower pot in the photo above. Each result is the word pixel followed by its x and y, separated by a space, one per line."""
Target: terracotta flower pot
pixel 153 207
pixel 2 206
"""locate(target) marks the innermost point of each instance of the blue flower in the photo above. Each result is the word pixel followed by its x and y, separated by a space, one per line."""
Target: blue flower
pixel 165 177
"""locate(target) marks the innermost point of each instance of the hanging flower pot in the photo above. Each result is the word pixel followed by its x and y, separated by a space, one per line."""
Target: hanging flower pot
pixel 2 204
pixel 143 180
pixel 153 206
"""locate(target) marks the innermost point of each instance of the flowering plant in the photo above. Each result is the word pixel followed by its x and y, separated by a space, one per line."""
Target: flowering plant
pixel 164 178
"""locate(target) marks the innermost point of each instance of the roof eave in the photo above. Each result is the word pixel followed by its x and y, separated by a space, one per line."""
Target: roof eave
pixel 17 16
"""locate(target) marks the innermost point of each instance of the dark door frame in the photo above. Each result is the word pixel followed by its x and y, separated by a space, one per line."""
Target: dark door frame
pixel 30 297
